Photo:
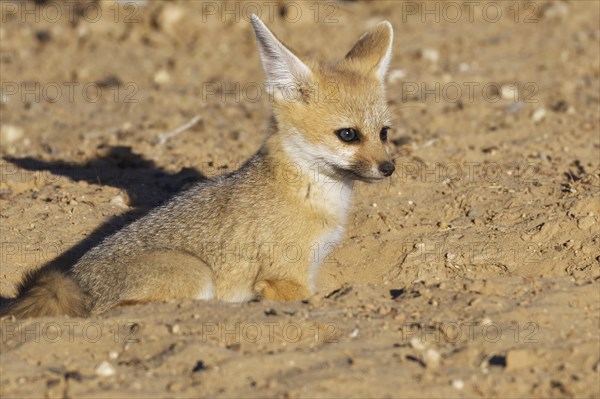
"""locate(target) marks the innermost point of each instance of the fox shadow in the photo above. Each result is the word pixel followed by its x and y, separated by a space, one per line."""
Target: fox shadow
pixel 146 184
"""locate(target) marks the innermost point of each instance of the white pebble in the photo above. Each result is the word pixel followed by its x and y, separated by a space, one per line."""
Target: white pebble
pixel 162 77
pixel 431 357
pixel 538 115
pixel 557 9
pixel 10 133
pixel 118 200
pixel 430 54
pixel 458 384
pixel 509 93
pixel 105 369
pixel 419 245
pixel 417 344
pixel 396 75
pixel 354 333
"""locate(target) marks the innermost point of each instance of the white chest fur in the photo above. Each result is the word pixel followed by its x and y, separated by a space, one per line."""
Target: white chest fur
pixel 323 247
pixel 334 198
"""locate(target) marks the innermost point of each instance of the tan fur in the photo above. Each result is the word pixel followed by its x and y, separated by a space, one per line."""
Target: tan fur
pixel 48 292
pixel 262 231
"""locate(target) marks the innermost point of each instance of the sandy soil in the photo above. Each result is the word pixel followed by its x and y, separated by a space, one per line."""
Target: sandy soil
pixel 474 272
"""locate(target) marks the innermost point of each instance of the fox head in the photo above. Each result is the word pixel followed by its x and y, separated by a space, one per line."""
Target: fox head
pixel 332 115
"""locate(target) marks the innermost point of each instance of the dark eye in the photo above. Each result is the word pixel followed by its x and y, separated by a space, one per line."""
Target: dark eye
pixel 383 133
pixel 348 134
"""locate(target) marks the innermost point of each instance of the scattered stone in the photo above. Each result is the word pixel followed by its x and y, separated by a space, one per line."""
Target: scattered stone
pixel 354 333
pixel 109 81
pixel 586 222
pixel 560 106
pixel 43 36
pixel 509 93
pixel 396 75
pixel 431 358
pixel 10 134
pixel 538 115
pixel 430 54
pixel 162 77
pixel 450 256
pixel 473 213
pixel 200 366
pixel 464 67
pixel 555 9
pixel 170 17
pixel 417 344
pixel 458 384
pixel 497 361
pixel 118 200
pixel 419 245
pixel 105 369
pixel 175 329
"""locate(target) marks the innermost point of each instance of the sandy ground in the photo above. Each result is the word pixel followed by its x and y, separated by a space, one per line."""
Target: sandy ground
pixel 473 272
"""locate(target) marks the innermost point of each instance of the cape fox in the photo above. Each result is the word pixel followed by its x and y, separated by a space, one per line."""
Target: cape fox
pixel 261 231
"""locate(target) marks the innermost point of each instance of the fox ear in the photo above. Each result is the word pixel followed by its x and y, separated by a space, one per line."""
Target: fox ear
pixel 283 69
pixel 374 49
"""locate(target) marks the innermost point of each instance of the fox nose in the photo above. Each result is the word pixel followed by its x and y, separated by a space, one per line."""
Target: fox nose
pixel 387 168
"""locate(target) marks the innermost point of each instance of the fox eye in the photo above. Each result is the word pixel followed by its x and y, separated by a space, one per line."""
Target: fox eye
pixel 348 134
pixel 383 133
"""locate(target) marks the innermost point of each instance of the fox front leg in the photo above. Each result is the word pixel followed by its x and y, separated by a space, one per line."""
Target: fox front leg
pixel 282 290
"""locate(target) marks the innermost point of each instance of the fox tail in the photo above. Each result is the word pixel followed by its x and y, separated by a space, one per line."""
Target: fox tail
pixel 47 292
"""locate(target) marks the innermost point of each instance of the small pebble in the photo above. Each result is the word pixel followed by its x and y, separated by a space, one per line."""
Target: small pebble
pixel 419 245
pixel 105 369
pixel 417 344
pixel 509 93
pixel 396 75
pixel 473 213
pixel 586 222
pixel 556 9
pixel 431 358
pixel 458 384
pixel 10 134
pixel 118 200
pixel 538 115
pixel 430 54
pixel 162 77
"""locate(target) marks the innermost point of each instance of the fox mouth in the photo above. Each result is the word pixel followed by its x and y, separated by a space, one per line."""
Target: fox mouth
pixel 354 175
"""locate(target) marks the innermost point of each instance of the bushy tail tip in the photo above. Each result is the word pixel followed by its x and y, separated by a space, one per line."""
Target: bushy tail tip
pixel 47 292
